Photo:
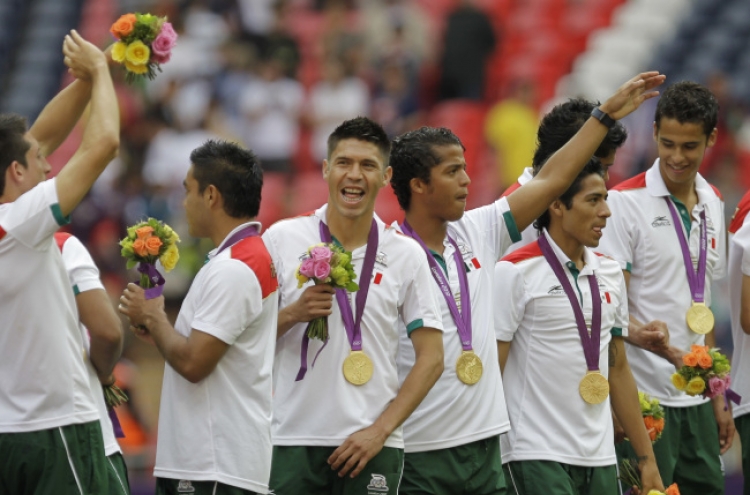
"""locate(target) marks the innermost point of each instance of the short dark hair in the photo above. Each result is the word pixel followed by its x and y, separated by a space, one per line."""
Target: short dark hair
pixel 563 122
pixel 594 166
pixel 13 144
pixel 234 171
pixel 413 155
pixel 688 102
pixel 363 129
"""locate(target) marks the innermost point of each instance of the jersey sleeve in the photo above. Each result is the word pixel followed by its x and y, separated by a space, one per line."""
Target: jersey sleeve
pixel 231 299
pixel 620 234
pixel 34 217
pixel 82 271
pixel 720 270
pixel 509 294
pixel 419 306
pixel 622 317
pixel 495 221
pixel 742 239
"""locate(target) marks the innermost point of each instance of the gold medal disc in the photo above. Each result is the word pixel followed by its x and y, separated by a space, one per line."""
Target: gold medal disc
pixel 594 388
pixel 357 368
pixel 700 318
pixel 469 367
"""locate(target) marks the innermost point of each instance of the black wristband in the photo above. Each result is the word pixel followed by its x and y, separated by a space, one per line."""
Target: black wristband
pixel 602 117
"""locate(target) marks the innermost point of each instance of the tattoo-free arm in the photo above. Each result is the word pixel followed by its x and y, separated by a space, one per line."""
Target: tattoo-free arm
pixel 105 329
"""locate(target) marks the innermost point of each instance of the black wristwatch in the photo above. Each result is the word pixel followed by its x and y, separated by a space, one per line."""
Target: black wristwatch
pixel 603 118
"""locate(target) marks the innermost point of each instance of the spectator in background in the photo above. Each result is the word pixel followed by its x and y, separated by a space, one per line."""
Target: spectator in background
pixel 469 40
pixel 395 104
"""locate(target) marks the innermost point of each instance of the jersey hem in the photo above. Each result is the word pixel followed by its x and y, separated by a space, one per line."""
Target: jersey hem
pixel 572 460
pixel 225 479
pixel 416 447
pixel 48 424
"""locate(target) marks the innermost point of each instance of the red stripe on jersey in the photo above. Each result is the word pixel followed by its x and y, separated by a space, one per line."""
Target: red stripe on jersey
pixel 510 189
pixel 716 190
pixel 2 232
pixel 254 254
pixel 713 243
pixel 378 278
pixel 60 238
pixel 609 301
pixel 740 213
pixel 637 182
pixel 527 252
pixel 475 262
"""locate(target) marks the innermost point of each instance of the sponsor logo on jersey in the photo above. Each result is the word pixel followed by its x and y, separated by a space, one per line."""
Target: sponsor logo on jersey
pixel 661 221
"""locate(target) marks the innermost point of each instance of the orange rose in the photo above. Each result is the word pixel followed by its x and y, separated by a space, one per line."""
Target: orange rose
pixel 672 489
pixel 123 26
pixel 152 245
pixel 705 361
pixel 144 232
pixel 139 246
pixel 698 348
pixel 659 425
pixel 690 359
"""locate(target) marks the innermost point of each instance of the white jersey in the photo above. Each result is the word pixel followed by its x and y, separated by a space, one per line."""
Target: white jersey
pixel 549 419
pixel 442 419
pixel 641 236
pixel 529 234
pixel 84 276
pixel 42 361
pixel 323 409
pixel 219 429
pixel 739 267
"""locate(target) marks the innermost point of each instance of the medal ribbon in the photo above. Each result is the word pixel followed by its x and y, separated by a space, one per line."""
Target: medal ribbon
pixel 462 317
pixel 244 233
pixel 590 342
pixel 696 279
pixel 351 324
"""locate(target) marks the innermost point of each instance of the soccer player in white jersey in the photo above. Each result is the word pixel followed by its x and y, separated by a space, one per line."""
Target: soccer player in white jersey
pixel 738 268
pixel 556 129
pixel 50 438
pixel 332 436
pixel 666 224
pixel 215 414
pixel 102 337
pixel 560 316
pixel 431 184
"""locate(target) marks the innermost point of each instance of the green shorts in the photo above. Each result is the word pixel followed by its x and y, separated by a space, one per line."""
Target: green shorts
pixel 742 424
pixel 688 451
pixel 305 471
pixel 474 468
pixel 555 478
pixel 117 473
pixel 68 459
pixel 168 486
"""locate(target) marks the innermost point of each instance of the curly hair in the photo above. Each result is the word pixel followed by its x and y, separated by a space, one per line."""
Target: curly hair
pixel 688 102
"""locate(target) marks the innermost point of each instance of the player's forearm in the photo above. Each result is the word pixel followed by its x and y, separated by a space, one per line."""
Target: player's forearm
pixel 105 329
pixel 60 115
pixel 286 320
pixel 172 346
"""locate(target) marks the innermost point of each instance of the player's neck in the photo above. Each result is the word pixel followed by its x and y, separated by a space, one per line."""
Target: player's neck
pixel 686 193
pixel 223 226
pixel 569 245
pixel 431 229
pixel 351 232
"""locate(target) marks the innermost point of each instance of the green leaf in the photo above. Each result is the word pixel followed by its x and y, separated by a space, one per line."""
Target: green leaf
pixel 351 287
pixel 131 264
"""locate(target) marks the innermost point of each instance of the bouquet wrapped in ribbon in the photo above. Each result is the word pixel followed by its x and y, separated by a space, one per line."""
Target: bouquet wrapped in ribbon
pixel 113 397
pixel 704 372
pixel 326 264
pixel 145 41
pixel 653 415
pixel 146 243
pixel 630 475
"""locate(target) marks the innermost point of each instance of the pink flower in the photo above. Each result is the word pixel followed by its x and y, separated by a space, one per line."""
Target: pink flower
pixel 307 268
pixel 160 59
pixel 321 253
pixel 718 386
pixel 322 270
pixel 164 42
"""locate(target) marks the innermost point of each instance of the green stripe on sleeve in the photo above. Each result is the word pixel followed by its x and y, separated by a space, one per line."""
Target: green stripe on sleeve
pixel 76 290
pixel 59 218
pixel 414 326
pixel 616 332
pixel 510 223
pixel 629 267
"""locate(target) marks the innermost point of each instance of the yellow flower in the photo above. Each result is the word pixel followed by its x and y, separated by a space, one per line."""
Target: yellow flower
pixel 679 381
pixel 137 53
pixel 695 386
pixel 136 69
pixel 301 279
pixel 340 276
pixel 655 492
pixel 170 257
pixel 118 52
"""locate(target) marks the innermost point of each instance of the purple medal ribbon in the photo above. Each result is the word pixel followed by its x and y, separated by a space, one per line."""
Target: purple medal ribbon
pixel 244 233
pixel 351 324
pixel 115 423
pixel 462 317
pixel 590 342
pixel 696 280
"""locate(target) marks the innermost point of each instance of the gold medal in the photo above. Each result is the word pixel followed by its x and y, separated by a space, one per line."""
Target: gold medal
pixel 700 318
pixel 594 388
pixel 357 368
pixel 469 367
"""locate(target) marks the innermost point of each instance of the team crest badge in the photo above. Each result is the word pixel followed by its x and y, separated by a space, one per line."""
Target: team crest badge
pixel 185 486
pixel 378 483
pixel 273 270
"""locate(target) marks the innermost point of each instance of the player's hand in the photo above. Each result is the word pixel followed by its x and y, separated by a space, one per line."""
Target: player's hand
pixel 82 58
pixel 653 336
pixel 356 451
pixel 137 308
pixel 316 301
pixel 630 95
pixel 725 423
pixel 650 477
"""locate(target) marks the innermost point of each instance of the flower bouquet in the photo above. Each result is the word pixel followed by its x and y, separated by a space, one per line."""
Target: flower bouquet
pixel 630 475
pixel 145 41
pixel 704 372
pixel 146 243
pixel 653 415
pixel 326 264
pixel 113 397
